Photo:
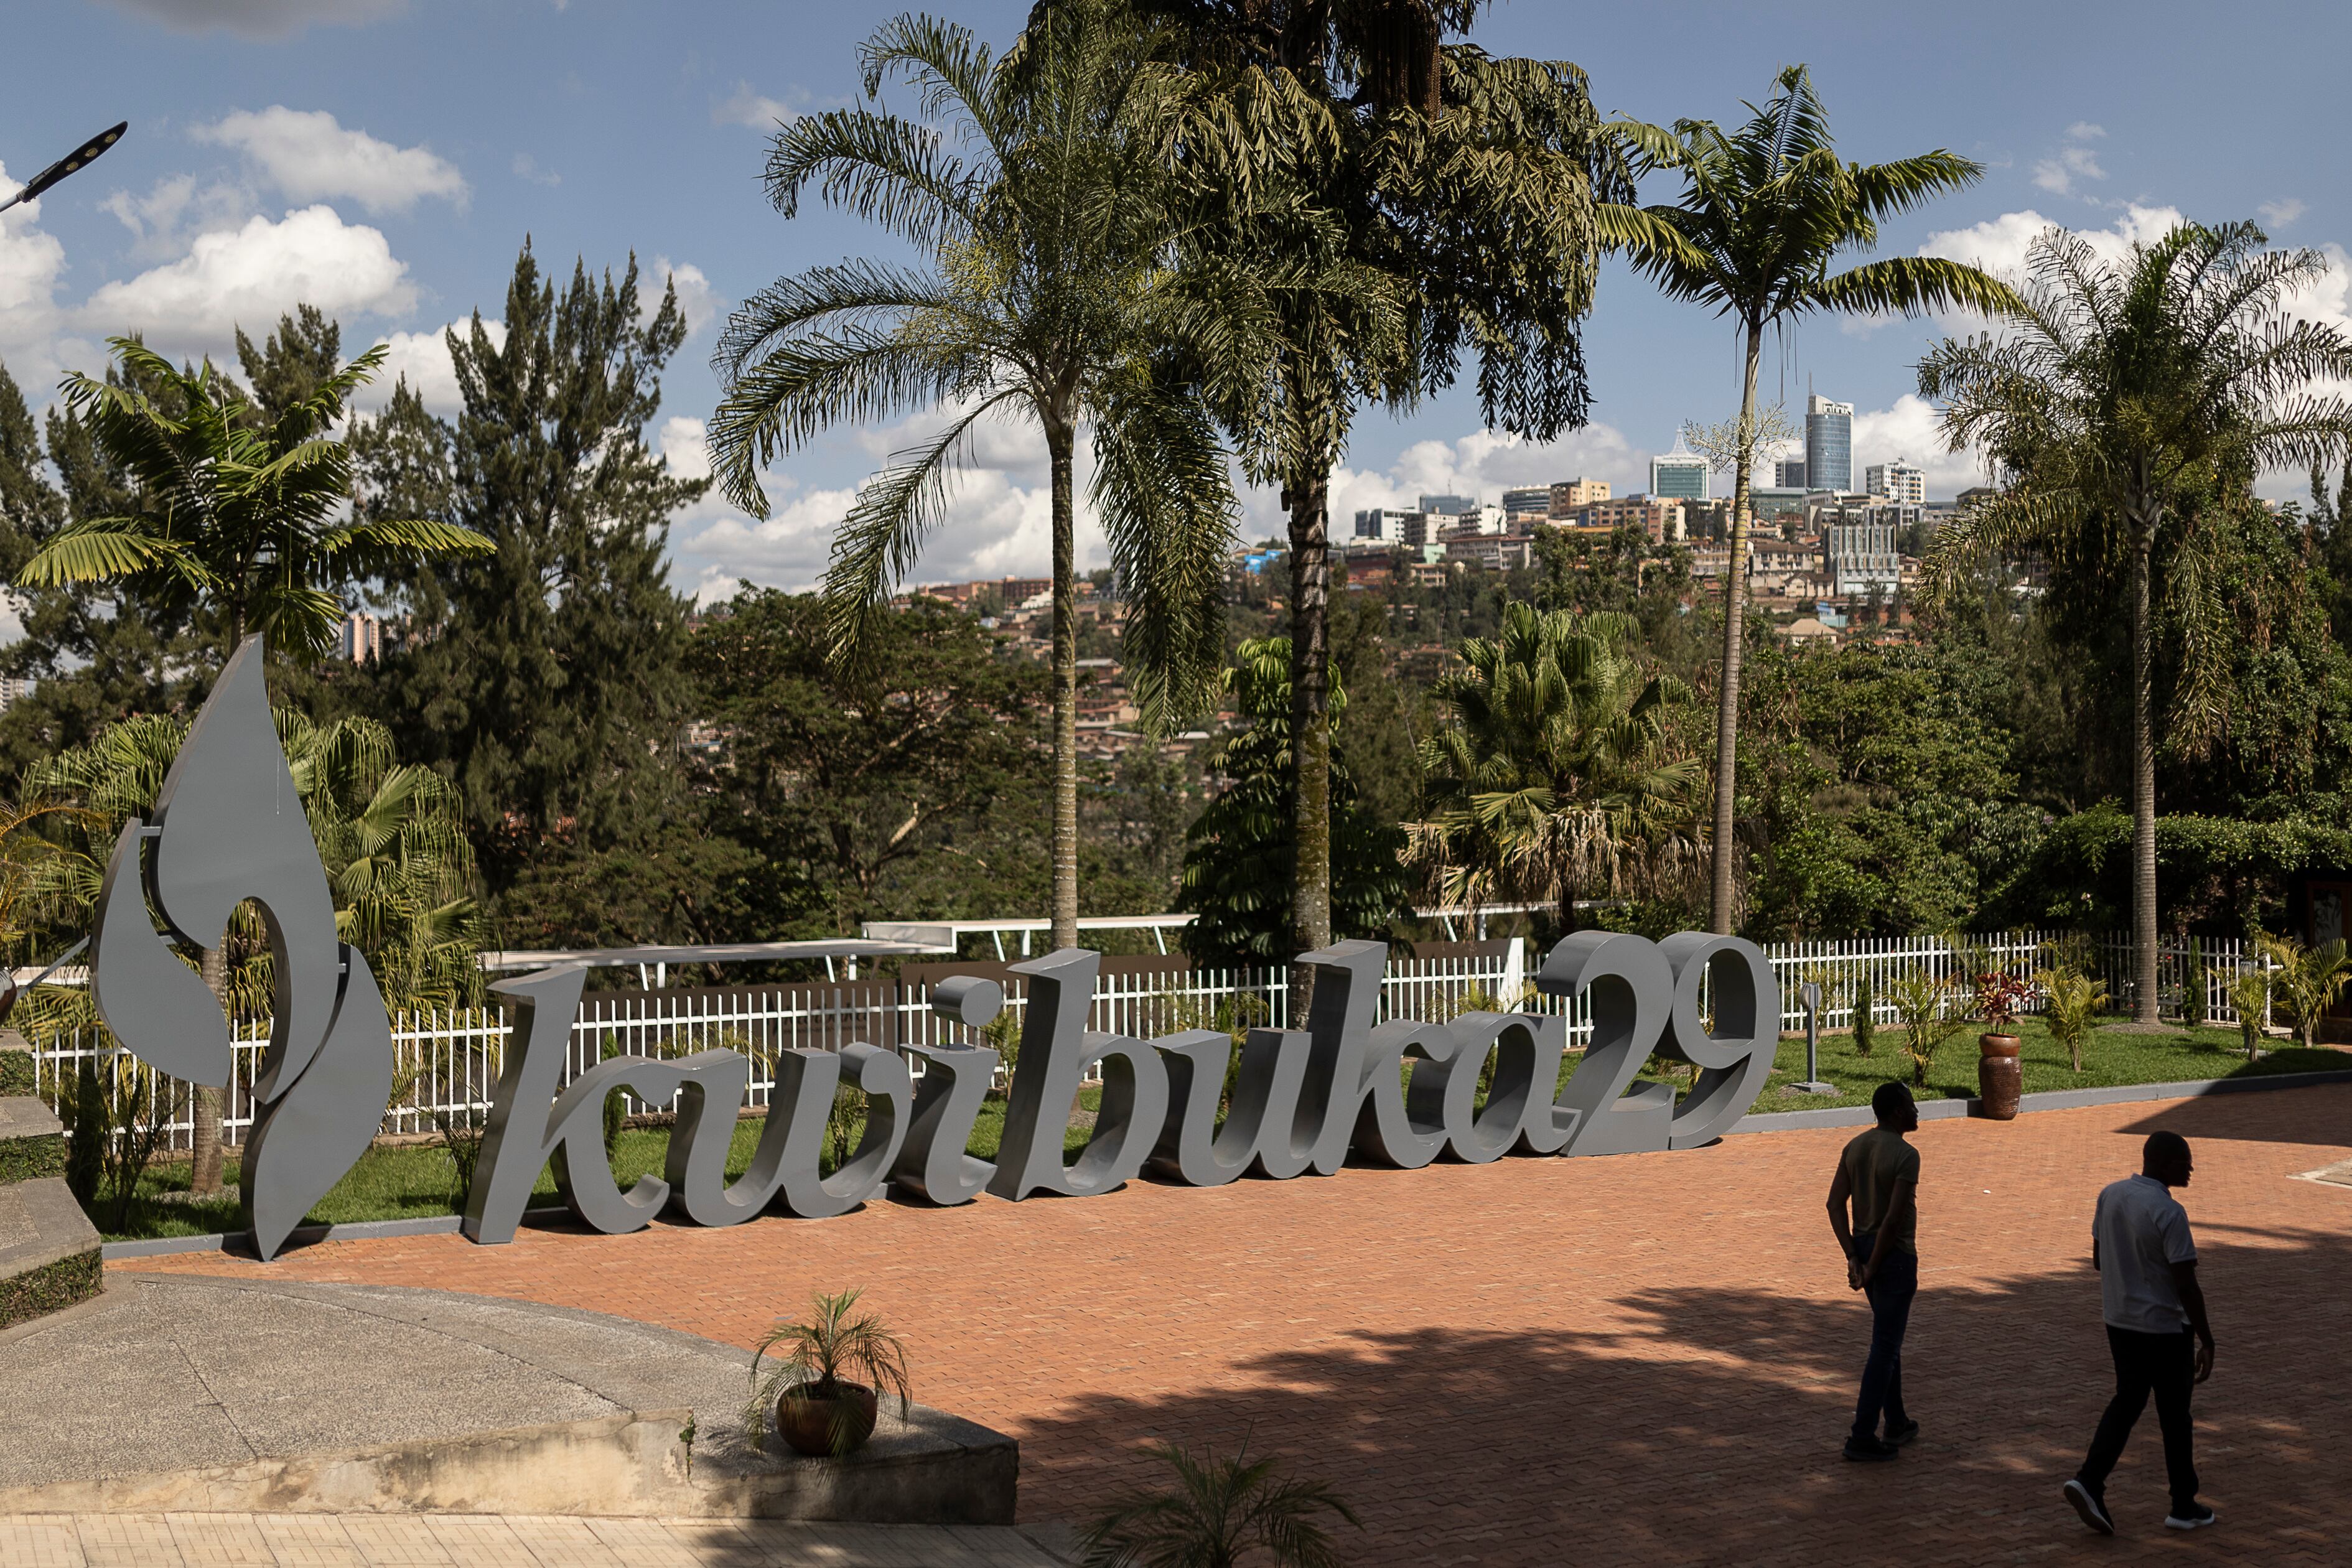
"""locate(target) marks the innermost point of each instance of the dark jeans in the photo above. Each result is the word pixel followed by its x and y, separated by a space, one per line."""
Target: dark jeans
pixel 1890 1292
pixel 2166 1366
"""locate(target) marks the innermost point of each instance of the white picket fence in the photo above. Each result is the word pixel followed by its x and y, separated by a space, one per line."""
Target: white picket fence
pixel 447 1063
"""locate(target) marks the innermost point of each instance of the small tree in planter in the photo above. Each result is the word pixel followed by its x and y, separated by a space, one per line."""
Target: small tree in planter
pixel 825 1387
pixel 1919 1000
pixel 2074 1000
pixel 1865 1016
pixel 1222 1512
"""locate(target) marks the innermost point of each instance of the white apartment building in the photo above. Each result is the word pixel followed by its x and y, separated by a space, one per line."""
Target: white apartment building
pixel 1898 482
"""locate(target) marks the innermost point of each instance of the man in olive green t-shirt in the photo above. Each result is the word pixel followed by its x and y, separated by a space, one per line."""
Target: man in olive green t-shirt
pixel 1878 1174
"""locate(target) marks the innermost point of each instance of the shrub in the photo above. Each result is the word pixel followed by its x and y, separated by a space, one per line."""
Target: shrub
pixel 1866 1018
pixel 2250 998
pixel 1920 1004
pixel 1221 1511
pixel 2309 979
pixel 2074 999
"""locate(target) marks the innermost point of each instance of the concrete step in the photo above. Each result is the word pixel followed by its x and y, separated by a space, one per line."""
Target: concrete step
pixel 48 1251
pixel 32 1141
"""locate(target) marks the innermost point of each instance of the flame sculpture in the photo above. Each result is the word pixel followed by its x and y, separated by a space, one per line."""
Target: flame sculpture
pixel 230 827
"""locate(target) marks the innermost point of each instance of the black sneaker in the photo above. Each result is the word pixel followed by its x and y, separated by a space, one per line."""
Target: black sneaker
pixel 2093 1507
pixel 1870 1450
pixel 2196 1516
pixel 1901 1436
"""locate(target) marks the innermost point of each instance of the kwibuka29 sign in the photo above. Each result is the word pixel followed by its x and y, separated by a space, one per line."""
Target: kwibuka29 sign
pixel 230 827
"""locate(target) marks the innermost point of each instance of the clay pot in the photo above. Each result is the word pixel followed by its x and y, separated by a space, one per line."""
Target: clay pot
pixel 805 1419
pixel 2001 1077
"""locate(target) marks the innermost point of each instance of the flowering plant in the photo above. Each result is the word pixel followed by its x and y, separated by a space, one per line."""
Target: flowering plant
pixel 2000 996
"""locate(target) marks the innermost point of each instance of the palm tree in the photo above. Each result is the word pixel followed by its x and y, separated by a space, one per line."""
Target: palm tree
pixel 1048 297
pixel 243 521
pixel 391 841
pixel 1556 771
pixel 1375 205
pixel 1764 211
pixel 2122 394
pixel 1219 1510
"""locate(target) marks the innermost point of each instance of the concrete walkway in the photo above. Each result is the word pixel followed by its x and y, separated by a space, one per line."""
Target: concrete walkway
pixel 483 1541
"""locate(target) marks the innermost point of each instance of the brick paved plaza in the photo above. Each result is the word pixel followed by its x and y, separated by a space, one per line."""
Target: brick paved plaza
pixel 1634 1360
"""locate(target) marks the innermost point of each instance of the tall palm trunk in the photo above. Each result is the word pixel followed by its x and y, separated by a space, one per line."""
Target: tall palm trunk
pixel 207 1159
pixel 1310 713
pixel 1059 439
pixel 1735 616
pixel 2144 954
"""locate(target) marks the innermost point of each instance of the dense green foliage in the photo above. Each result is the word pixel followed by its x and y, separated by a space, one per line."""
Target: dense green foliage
pixel 1237 866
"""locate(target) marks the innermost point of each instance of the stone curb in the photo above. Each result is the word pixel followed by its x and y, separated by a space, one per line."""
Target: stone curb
pixel 354 1230
pixel 2045 1099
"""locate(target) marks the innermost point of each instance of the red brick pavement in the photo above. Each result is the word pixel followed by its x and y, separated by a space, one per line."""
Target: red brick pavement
pixel 1644 1359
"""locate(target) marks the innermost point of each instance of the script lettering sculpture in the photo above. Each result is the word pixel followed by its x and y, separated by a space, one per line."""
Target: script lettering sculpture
pixel 229 827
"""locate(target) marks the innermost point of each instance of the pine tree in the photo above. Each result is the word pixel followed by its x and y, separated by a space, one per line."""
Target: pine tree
pixel 546 680
pixel 305 350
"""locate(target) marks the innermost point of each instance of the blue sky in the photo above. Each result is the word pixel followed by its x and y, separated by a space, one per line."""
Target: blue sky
pixel 387 157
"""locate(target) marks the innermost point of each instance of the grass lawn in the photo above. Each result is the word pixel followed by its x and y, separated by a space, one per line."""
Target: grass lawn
pixel 2108 1059
pixel 414 1181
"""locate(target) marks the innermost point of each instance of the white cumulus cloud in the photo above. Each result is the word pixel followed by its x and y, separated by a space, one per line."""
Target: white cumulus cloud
pixel 758 111
pixel 423 360
pixel 2282 212
pixel 254 274
pixel 311 157
pixel 2075 160
pixel 174 211
pixel 262 18
pixel 697 301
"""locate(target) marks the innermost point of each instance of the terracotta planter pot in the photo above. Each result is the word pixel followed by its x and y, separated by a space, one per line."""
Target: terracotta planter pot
pixel 806 1420
pixel 2001 1077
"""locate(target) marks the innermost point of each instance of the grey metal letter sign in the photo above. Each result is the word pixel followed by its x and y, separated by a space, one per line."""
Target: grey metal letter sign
pixel 230 827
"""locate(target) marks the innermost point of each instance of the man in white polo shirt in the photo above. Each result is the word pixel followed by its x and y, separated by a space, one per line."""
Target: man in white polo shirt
pixel 2147 1284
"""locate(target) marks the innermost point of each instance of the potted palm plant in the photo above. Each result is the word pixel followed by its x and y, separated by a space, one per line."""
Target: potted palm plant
pixel 823 1388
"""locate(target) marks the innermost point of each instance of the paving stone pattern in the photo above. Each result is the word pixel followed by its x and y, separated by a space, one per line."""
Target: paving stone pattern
pixel 1645 1359
pixel 463 1541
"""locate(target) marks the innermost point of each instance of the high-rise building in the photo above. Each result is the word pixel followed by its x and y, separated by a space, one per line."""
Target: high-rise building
pixel 1788 474
pixel 1829 445
pixel 13 689
pixel 1862 545
pixel 1568 495
pixel 1449 506
pixel 1386 525
pixel 1679 475
pixel 362 640
pixel 1533 502
pixel 1898 482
